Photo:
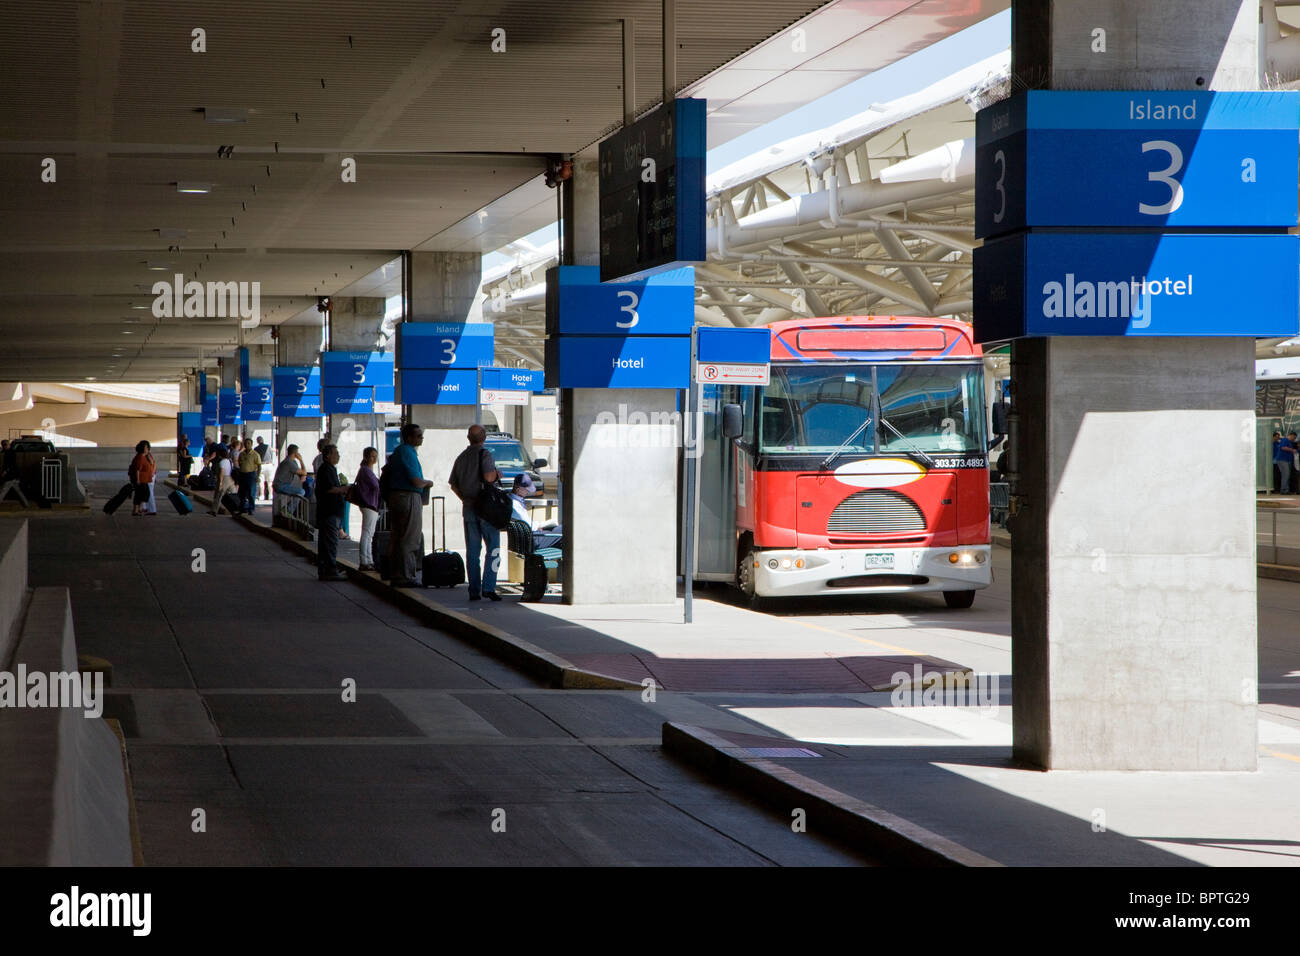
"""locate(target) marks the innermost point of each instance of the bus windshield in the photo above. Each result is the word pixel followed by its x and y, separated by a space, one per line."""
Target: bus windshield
pixel 925 407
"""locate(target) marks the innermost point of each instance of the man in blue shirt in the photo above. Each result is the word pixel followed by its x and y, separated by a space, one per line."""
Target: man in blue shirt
pixel 406 509
pixel 1283 455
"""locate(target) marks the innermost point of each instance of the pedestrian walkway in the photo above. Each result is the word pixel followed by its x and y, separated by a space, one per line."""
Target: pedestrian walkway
pixel 804 680
pixel 232 675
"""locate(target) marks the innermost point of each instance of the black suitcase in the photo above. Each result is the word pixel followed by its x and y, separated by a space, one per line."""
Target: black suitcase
pixel 442 568
pixel 115 502
pixel 230 502
pixel 534 578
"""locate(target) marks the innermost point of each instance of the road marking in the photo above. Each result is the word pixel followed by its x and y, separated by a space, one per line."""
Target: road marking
pixel 863 640
pixel 97 585
pixel 1278 753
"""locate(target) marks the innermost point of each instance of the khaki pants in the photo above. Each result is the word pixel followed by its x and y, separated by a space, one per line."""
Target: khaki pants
pixel 224 484
pixel 405 519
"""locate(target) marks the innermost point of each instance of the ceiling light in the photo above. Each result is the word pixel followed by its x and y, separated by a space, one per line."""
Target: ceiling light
pixel 90 378
pixel 199 188
pixel 128 332
pixel 139 306
pixel 158 266
pixel 213 114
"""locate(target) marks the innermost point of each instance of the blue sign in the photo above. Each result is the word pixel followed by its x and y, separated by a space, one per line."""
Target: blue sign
pixel 1150 158
pixel 243 370
pixel 578 303
pixel 210 411
pixel 439 345
pixel 734 346
pixel 190 424
pixel 228 407
pixel 602 361
pixel 256 400
pixel 357 369
pixel 295 406
pixel 288 380
pixel 432 387
pixel 1050 283
pixel 355 401
pixel 652 208
pixel 512 379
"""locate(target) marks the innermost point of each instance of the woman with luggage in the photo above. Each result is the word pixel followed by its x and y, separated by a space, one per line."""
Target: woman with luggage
pixel 141 473
pixel 365 495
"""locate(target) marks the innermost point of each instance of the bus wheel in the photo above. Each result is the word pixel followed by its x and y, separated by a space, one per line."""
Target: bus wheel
pixel 745 581
pixel 959 599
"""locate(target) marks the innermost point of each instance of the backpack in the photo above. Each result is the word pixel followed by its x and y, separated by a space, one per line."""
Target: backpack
pixel 386 479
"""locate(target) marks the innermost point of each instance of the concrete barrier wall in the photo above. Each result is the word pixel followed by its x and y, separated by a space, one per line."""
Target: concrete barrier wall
pixel 109 458
pixel 13 584
pixel 63 797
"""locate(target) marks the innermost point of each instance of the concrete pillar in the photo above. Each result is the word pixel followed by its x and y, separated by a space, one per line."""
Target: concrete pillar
pixel 618 457
pixel 355 326
pixel 299 345
pixel 444 288
pixel 1133 612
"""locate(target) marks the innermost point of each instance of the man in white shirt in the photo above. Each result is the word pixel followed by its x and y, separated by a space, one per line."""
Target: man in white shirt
pixel 523 488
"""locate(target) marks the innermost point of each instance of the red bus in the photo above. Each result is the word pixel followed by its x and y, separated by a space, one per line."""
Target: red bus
pixel 861 468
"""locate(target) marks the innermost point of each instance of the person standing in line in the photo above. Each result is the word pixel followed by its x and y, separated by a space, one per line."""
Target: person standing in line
pixel 290 471
pixel 263 481
pixel 473 468
pixel 1283 455
pixel 1294 486
pixel 408 487
pixel 250 467
pixel 330 501
pixel 141 474
pixel 365 495
pixel 225 483
pixel 184 460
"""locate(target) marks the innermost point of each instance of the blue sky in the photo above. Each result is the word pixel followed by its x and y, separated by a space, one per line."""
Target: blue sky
pixel 908 75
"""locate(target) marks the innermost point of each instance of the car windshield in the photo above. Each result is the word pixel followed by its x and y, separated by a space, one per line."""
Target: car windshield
pixel 507 454
pixel 821 409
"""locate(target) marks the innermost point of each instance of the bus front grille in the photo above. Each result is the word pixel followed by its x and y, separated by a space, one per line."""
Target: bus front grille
pixel 876 512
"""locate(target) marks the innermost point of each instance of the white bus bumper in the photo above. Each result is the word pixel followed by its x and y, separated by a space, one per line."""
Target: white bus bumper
pixel 800 573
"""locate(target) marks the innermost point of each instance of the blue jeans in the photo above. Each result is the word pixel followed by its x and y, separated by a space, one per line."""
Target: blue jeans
pixel 477 533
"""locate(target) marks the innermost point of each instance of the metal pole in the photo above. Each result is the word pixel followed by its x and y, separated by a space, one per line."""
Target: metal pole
pixel 690 447
pixel 478 396
pixel 670 50
pixel 629 71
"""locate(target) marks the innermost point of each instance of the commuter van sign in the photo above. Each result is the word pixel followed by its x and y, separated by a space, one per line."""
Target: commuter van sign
pixel 1135 284
pixel 1137 159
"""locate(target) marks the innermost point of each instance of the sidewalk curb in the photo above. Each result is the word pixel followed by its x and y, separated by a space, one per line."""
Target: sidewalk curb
pixel 865 827
pixel 547 667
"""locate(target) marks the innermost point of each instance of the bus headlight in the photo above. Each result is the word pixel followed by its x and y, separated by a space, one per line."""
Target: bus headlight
pixel 773 564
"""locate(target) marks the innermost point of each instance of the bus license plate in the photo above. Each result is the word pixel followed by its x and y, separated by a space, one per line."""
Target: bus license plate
pixel 880 561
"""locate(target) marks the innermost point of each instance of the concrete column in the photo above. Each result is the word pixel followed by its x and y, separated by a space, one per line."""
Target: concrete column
pixel 618 458
pixel 444 288
pixel 355 327
pixel 1133 613
pixel 299 345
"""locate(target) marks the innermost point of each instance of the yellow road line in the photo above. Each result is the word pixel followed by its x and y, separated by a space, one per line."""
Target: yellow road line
pixel 863 640
pixel 1278 753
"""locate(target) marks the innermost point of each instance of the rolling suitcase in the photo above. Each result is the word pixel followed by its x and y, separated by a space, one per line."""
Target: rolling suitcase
pixel 115 502
pixel 442 568
pixel 534 578
pixel 181 502
pixel 230 502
